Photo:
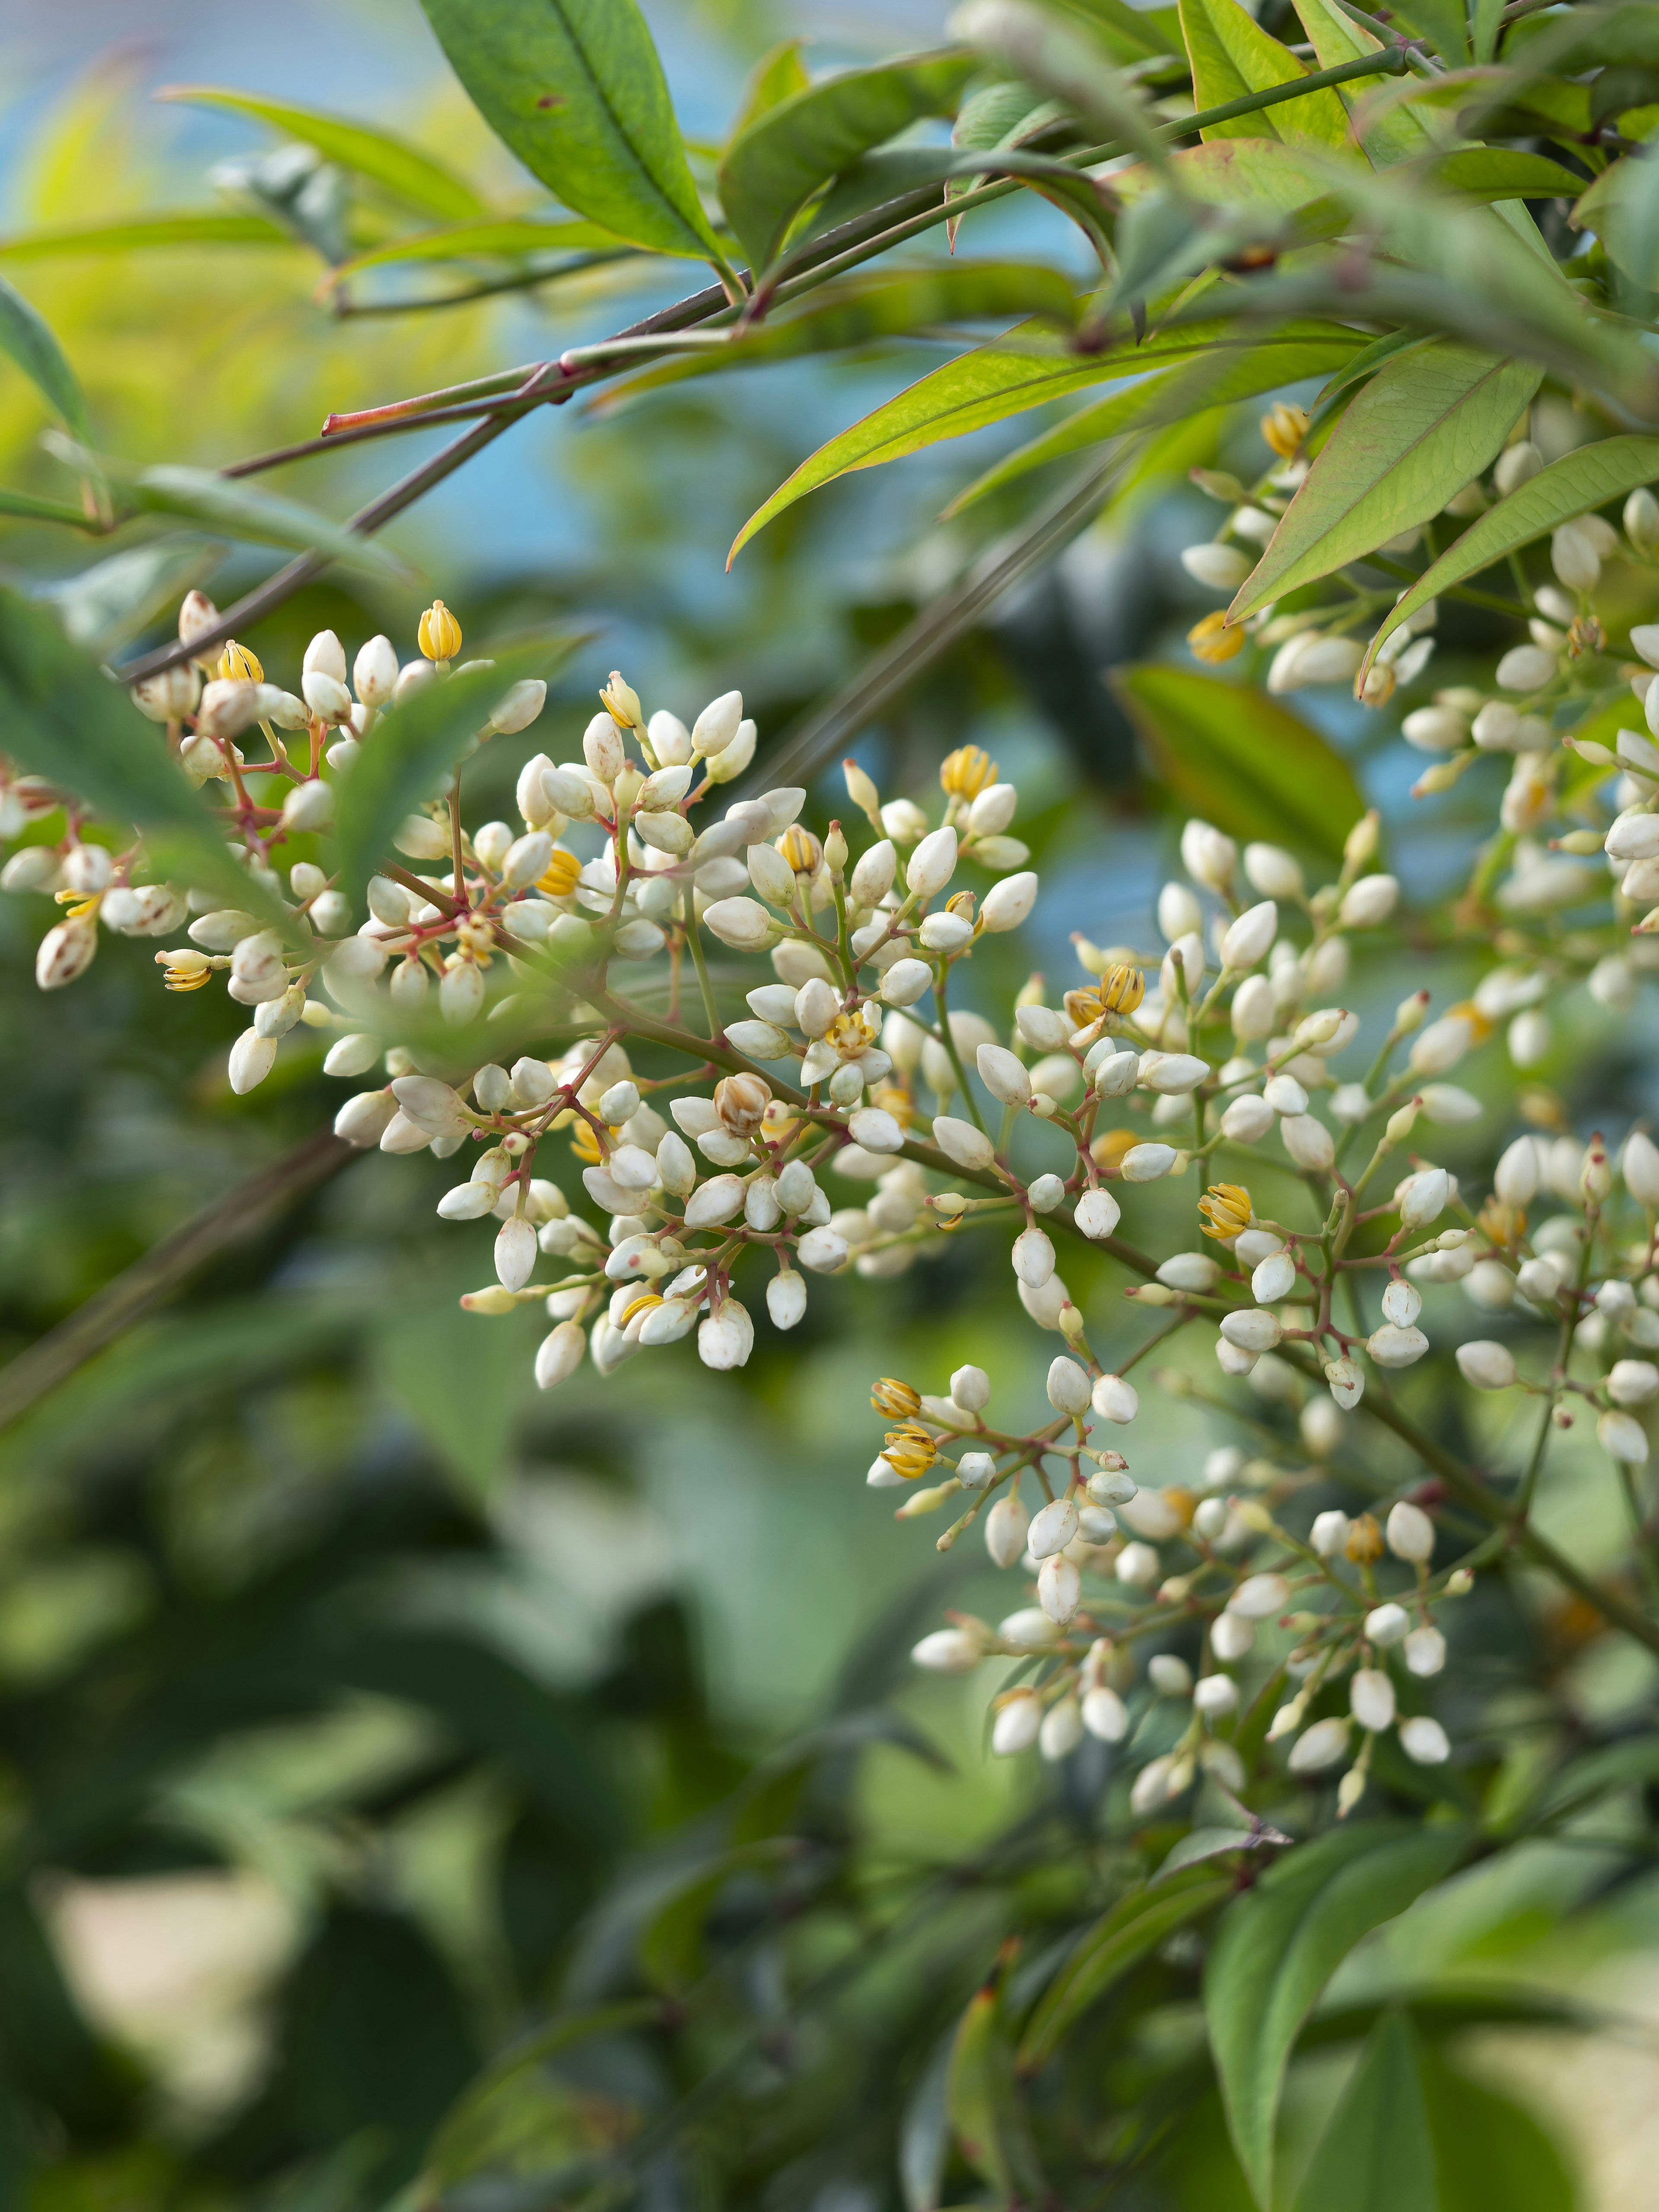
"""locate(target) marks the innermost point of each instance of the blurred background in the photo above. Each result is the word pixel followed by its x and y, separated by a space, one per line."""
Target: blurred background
pixel 355 1702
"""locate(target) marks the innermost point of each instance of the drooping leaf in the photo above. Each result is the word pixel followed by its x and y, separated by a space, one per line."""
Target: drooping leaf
pixel 1213 381
pixel 1232 55
pixel 773 168
pixel 776 76
pixel 64 721
pixel 1376 2153
pixel 1232 750
pixel 1489 2148
pixel 1575 484
pixel 27 340
pixel 494 236
pixel 1104 1954
pixel 241 508
pixel 983 2102
pixel 398 168
pixel 1280 1942
pixel 1425 425
pixel 411 749
pixel 877 303
pixel 1021 371
pixel 1336 37
pixel 136 234
pixel 576 89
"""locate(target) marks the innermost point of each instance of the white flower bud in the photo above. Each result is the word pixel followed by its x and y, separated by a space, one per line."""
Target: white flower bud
pixel 1147 1162
pixel 1254 1011
pixel 1116 1073
pixel 725 1339
pixel 1330 1533
pixel 1018 1725
pixel 1006 1528
pixel 1368 901
pixel 1033 1257
pixel 1320 1747
pixel 1410 1531
pixel 1249 939
pixel 1208 857
pixel 1622 1437
pixel 1632 1381
pixel 1115 1399
pixel 252 1059
pixel 1259 1597
pixel 1390 1346
pixel 1526 668
pixel 1052 1528
pixel 1370 1697
pixel 742 923
pixel 1388 1624
pixel 1222 567
pixel 1639 1165
pixel 559 1355
pixel 364 1120
pixel 994 810
pixel 1574 558
pixel 1309 1142
pixel 1485 1365
pixel 1425 1651
pixel 1231 1638
pixel 327 694
pixel 1216 1696
pixel 947 1650
pixel 1425 1740
pixel 824 1249
pixel 1252 1329
pixel 1105 1716
pixel 1139 1565
pixel 932 863
pixel 961 1142
pixel 1006 904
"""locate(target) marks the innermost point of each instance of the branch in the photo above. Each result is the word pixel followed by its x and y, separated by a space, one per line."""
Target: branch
pixel 165 1268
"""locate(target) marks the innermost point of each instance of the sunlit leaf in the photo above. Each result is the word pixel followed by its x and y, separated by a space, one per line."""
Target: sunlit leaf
pixel 494 236
pixel 1425 424
pixel 1279 1943
pixel 1235 756
pixel 1228 374
pixel 1586 478
pixel 27 340
pixel 776 76
pixel 1396 136
pixel 1104 1954
pixel 1376 2153
pixel 576 89
pixel 136 234
pixel 404 170
pixel 1489 2149
pixel 1232 55
pixel 771 169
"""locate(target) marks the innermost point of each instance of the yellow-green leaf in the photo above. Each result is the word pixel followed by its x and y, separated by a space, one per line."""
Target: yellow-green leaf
pixel 1376 2153
pixel 1118 1941
pixel 773 168
pixel 1580 481
pixel 401 169
pixel 1425 424
pixel 27 338
pixel 1232 55
pixel 1229 752
pixel 1336 37
pixel 135 234
pixel 494 236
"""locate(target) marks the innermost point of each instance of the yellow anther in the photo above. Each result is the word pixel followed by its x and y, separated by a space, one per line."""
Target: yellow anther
pixel 1212 639
pixel 1284 427
pixel 801 849
pixel 1226 1209
pixel 439 634
pixel 643 1303
pixel 1364 1541
pixel 908 1451
pixel 1122 990
pixel 238 666
pixel 967 772
pixel 622 702
pixel 898 1400
pixel 562 871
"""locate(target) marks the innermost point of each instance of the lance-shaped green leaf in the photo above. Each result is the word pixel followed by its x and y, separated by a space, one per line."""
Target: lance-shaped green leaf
pixel 408 753
pixel 1502 172
pixel 1030 43
pixel 112 600
pixel 518 2116
pixel 982 2100
pixel 227 503
pixel 1280 1943
pixel 996 116
pixel 1376 2153
pixel 26 339
pixel 1232 55
pixel 772 169
pixel 1445 22
pixel 137 233
pixel 1213 379
pixel 1228 747
pixel 1489 2149
pixel 65 721
pixel 879 303
pixel 776 76
pixel 1021 371
pixel 1622 208
pixel 1336 37
pixel 398 168
pixel 1128 34
pixel 495 238
pixel 576 89
pixel 1117 1942
pixel 1580 481
pixel 1425 424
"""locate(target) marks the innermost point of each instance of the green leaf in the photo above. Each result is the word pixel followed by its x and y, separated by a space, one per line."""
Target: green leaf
pixel 1279 1944
pixel 1501 173
pixel 1028 43
pixel 1129 34
pixel 136 233
pixel 518 2117
pixel 880 303
pixel 240 509
pixel 1376 2153
pixel 1395 136
pixel 105 605
pixel 27 340
pixel 1490 2150
pixel 1213 379
pixel 1441 21
pixel 1232 55
pixel 386 160
pixel 672 1950
pixel 495 235
pixel 925 2133
pixel 411 750
pixel 983 2102
pixel 1425 424
pixel 1229 751
pixel 1578 482
pixel 1104 1954
pixel 1199 1844
pixel 65 721
pixel 28 508
pixel 1622 208
pixel 574 88
pixel 1018 373
pixel 773 168
pixel 775 77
